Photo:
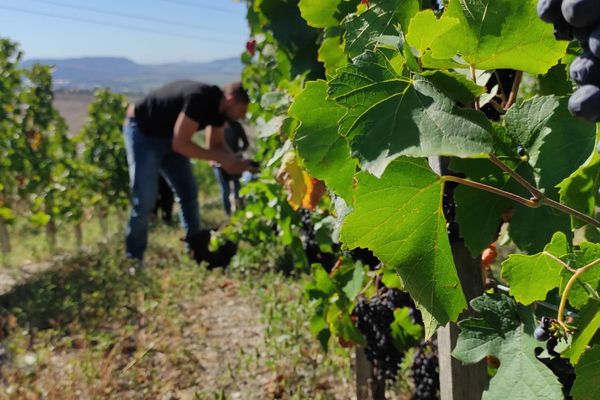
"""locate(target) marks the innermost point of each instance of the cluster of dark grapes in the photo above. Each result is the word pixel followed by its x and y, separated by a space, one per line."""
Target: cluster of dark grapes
pixel 311 245
pixel 365 256
pixel 307 230
pixel 449 209
pixel 373 318
pixel 579 19
pixel 425 372
pixel 564 371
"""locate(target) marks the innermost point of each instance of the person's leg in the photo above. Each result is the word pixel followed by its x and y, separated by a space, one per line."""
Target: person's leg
pixel 143 158
pixel 167 198
pixel 225 189
pixel 177 170
pixel 236 193
pixel 236 188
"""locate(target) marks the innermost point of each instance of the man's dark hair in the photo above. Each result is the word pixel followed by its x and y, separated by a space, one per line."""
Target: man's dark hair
pixel 237 91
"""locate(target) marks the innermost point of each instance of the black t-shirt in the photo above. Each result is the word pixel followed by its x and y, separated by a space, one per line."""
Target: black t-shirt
pixel 233 134
pixel 157 112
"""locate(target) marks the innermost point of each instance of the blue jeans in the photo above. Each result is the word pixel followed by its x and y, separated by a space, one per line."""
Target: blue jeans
pixel 225 185
pixel 148 157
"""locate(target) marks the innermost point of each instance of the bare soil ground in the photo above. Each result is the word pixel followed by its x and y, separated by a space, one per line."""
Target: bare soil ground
pixel 197 335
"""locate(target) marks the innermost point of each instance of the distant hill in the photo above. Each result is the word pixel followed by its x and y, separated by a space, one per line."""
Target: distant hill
pixel 125 76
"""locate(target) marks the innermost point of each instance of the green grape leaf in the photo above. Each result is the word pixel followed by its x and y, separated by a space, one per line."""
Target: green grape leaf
pixel 319 13
pixel 331 52
pixel 589 281
pixel 381 18
pixel 494 34
pixel 424 29
pixel 341 325
pixel 429 62
pixel 319 328
pixel 348 276
pixel 478 213
pixel 455 85
pixel 411 61
pixel 399 217
pixel 353 287
pixel 287 26
pixel 580 189
pixel 499 333
pixel 326 154
pixel 333 306
pixel 555 142
pixel 390 278
pixel 321 286
pixel 586 326
pixel 530 234
pixel 587 374
pixel 405 333
pixel 556 81
pixel 389 115
pixel 531 277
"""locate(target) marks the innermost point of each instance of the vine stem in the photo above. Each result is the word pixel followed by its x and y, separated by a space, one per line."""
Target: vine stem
pixel 531 203
pixel 512 97
pixel 491 189
pixel 564 264
pixel 570 283
pixel 368 285
pixel 568 210
pixel 474 78
pixel 539 198
pixel 522 181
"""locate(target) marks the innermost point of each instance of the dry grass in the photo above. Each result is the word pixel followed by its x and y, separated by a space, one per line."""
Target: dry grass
pixel 86 329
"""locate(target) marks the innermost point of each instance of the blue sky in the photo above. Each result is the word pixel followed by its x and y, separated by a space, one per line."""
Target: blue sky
pixel 146 31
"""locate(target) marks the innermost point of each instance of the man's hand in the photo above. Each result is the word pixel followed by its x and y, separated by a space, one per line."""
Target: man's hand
pixel 236 166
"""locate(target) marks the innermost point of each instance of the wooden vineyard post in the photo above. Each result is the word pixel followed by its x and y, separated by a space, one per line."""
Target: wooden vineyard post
pixel 4 240
pixel 363 374
pixel 367 387
pixel 458 381
pixel 78 235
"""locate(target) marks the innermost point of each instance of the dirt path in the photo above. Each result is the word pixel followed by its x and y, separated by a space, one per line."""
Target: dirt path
pixel 174 333
pixel 226 336
pixel 203 342
pixel 9 277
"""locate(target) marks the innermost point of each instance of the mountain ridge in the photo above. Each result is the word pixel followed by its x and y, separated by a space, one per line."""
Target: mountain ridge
pixel 123 75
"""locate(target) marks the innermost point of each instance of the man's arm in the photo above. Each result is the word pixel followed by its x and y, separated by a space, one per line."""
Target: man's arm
pixel 184 130
pixel 215 139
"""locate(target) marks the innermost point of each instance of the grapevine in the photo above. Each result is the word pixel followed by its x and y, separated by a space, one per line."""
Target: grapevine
pixel 407 80
pixel 425 372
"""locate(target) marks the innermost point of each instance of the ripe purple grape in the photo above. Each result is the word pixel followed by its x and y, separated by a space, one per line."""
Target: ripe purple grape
pixel 425 372
pixel 541 334
pixel 585 103
pixel 585 70
pixel 549 11
pixel 594 42
pixel 545 322
pixel 373 319
pixel 581 13
pixel 563 31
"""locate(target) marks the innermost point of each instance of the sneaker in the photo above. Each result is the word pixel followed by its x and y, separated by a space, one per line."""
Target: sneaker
pixel 135 266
